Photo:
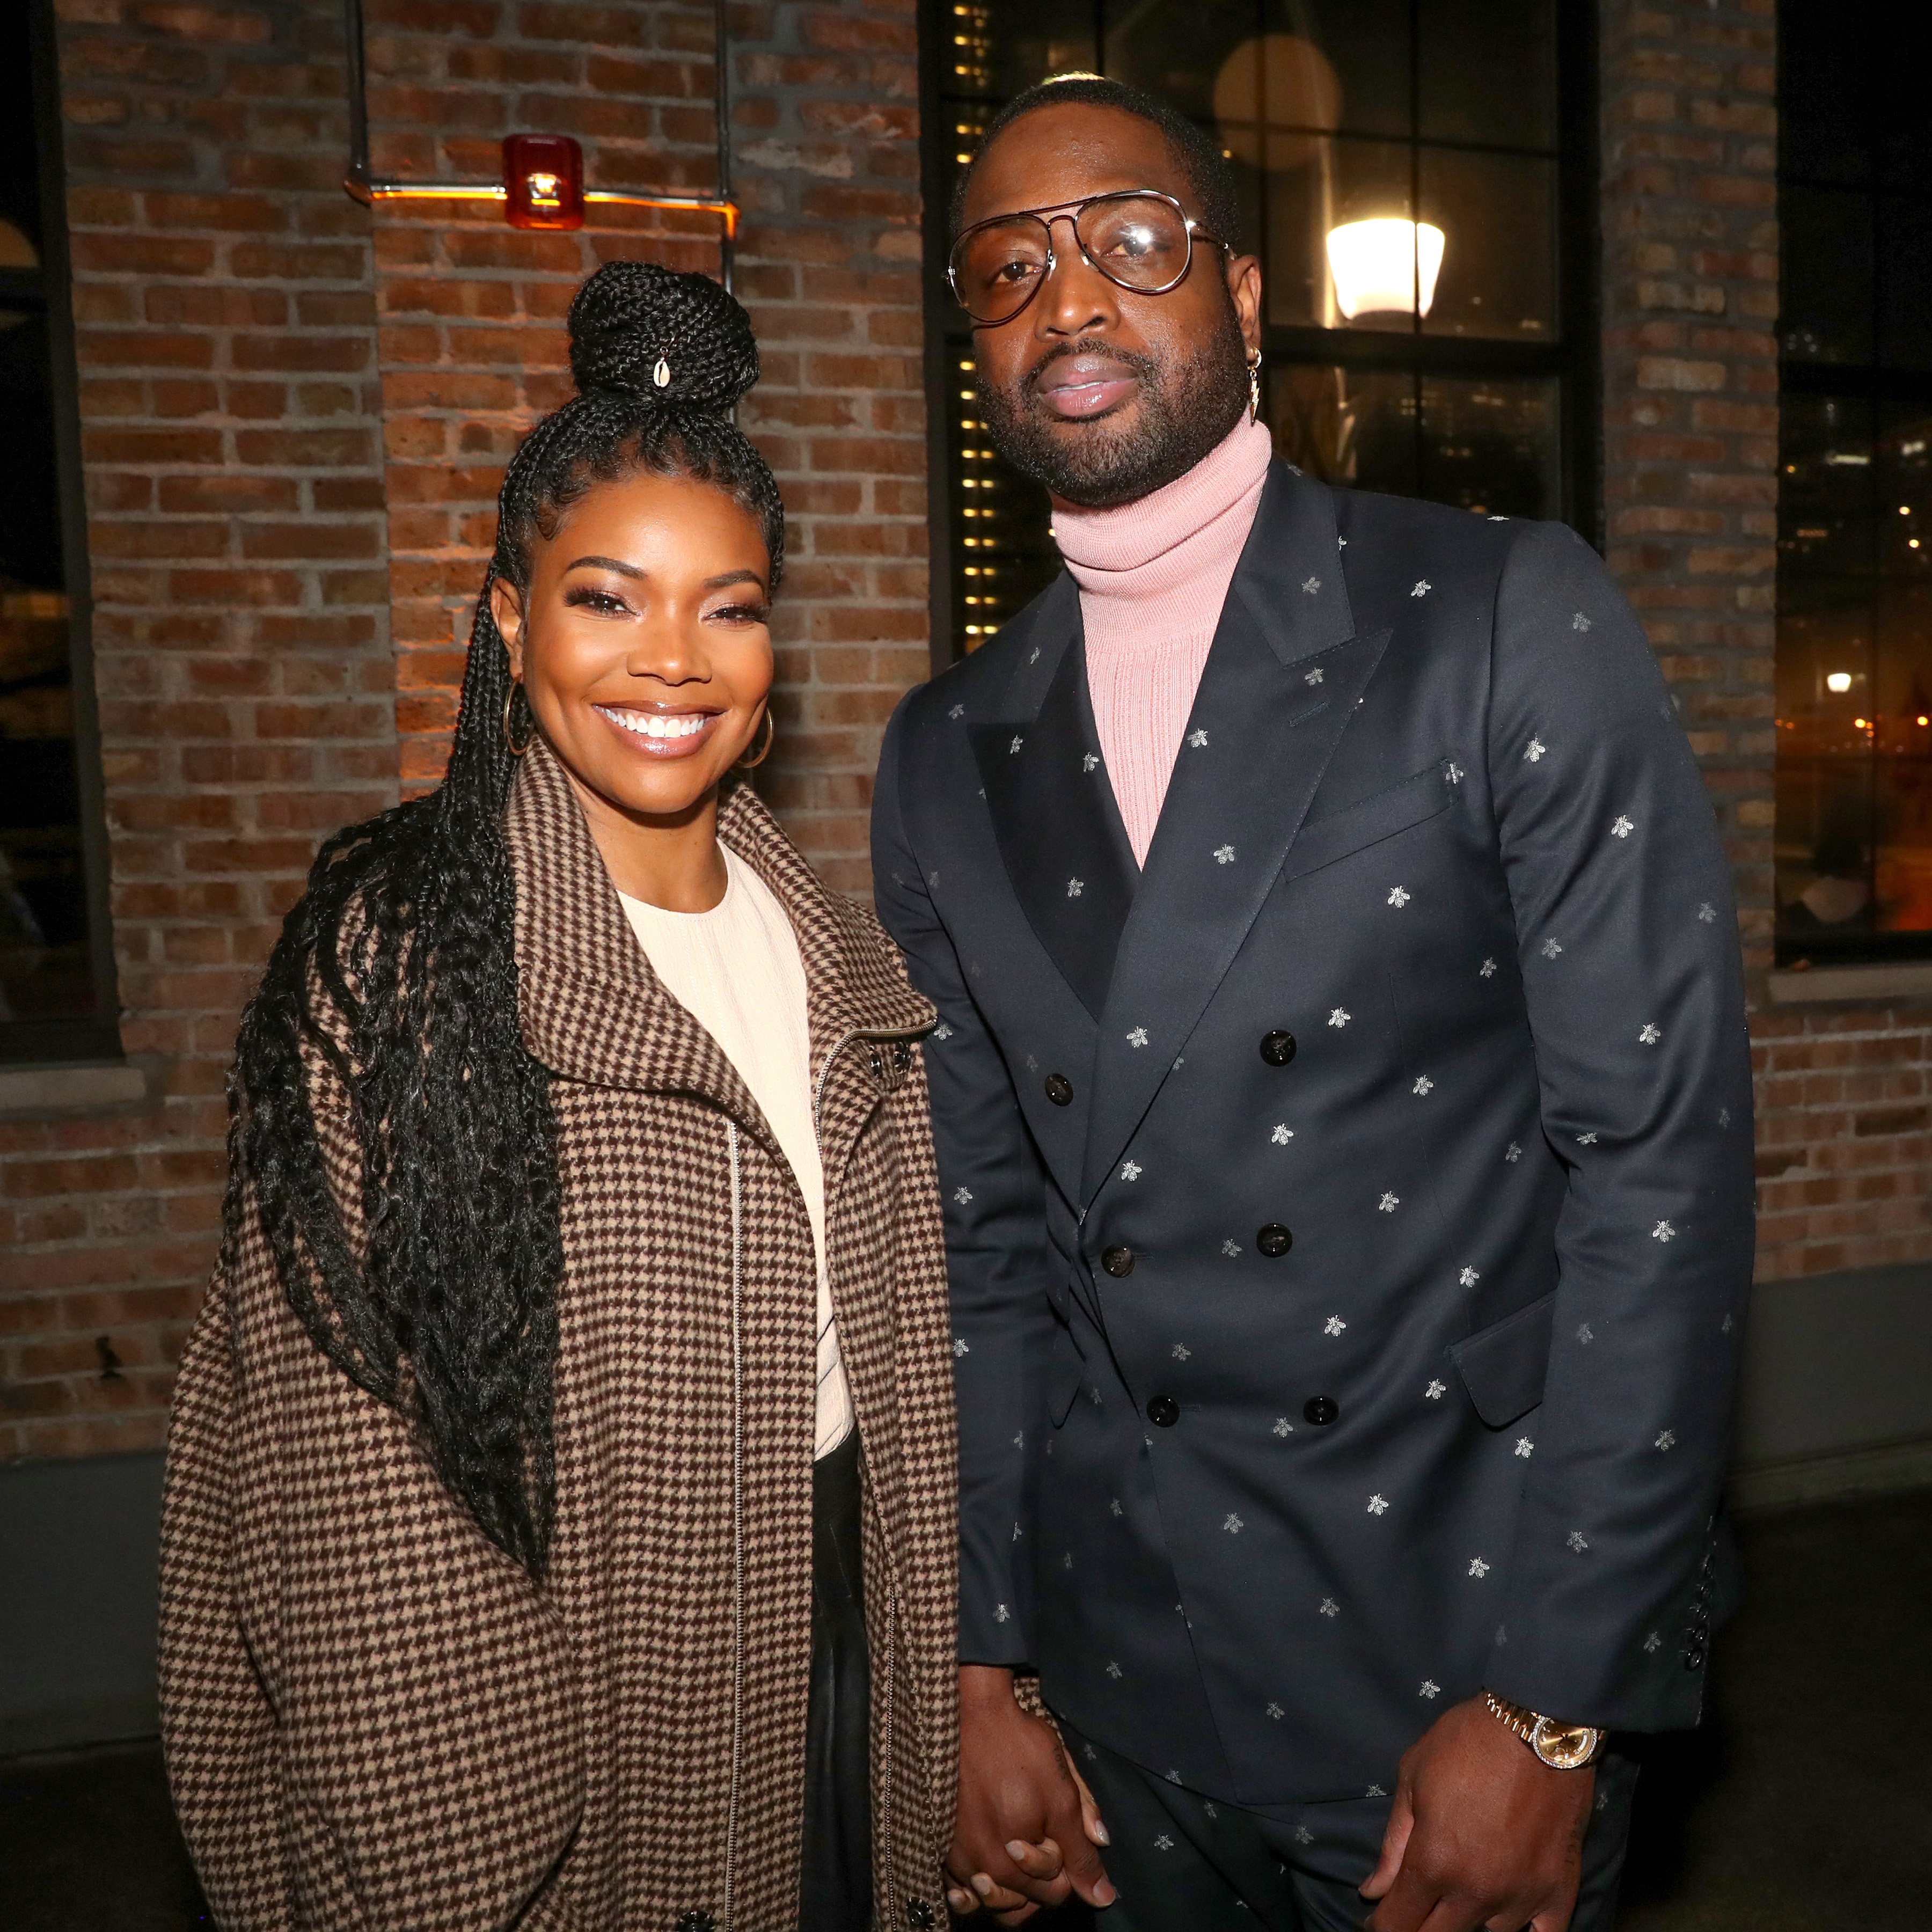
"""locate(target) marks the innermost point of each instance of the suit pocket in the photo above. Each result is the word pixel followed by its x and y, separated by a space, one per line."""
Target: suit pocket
pixel 1338 834
pixel 1503 1365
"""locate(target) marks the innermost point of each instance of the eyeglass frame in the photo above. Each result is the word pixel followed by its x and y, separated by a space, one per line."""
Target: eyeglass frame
pixel 1071 212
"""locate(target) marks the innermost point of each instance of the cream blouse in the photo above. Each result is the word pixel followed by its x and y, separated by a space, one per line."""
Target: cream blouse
pixel 737 971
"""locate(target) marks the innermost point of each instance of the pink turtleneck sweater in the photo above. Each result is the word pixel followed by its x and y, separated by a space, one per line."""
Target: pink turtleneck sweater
pixel 1153 576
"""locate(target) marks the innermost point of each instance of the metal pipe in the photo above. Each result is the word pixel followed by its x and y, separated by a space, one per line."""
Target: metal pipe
pixel 368 189
pixel 721 90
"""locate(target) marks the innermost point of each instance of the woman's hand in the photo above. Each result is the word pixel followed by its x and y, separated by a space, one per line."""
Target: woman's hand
pixel 1027 1825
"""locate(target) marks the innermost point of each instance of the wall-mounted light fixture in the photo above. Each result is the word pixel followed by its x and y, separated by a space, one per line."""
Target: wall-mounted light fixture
pixel 1385 265
pixel 542 184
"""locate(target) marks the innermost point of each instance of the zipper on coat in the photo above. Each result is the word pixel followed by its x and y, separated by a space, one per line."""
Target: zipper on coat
pixel 737 1525
pixel 883 1860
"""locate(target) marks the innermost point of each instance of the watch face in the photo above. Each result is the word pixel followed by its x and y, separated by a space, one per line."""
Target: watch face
pixel 1563 1747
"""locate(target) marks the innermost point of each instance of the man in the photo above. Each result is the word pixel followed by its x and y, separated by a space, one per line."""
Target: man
pixel 1343 1110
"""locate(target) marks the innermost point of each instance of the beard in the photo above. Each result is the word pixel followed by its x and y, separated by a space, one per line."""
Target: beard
pixel 1186 408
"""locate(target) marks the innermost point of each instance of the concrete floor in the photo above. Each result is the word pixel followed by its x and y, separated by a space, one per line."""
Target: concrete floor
pixel 1800 1807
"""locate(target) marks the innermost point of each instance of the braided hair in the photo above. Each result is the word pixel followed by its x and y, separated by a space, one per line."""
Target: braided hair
pixel 397 968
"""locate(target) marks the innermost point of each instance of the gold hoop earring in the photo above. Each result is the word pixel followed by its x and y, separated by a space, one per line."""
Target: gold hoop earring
pixel 771 730
pixel 1255 387
pixel 517 751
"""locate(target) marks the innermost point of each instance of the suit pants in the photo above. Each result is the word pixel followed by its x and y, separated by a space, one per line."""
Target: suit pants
pixel 1183 1863
pixel 835 1888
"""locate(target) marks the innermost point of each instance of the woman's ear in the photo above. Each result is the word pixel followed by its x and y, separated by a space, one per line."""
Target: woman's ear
pixel 506 606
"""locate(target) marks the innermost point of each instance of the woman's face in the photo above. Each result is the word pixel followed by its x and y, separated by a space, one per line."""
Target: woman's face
pixel 642 643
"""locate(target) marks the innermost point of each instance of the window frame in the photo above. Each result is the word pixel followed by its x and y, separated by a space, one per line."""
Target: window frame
pixel 1876 384
pixel 1575 361
pixel 96 1036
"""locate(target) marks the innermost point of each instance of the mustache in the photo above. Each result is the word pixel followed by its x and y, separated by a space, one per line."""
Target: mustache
pixel 1143 366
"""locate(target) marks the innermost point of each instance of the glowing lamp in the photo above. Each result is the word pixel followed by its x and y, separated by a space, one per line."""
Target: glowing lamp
pixel 1838 680
pixel 1384 264
pixel 543 182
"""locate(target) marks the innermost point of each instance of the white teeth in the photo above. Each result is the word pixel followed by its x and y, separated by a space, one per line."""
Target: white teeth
pixel 651 725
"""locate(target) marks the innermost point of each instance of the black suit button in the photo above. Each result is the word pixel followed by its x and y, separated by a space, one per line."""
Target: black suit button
pixel 1274 1240
pixel 1164 1411
pixel 1321 1410
pixel 1060 1089
pixel 1693 1660
pixel 1278 1047
pixel 919 1915
pixel 1118 1262
pixel 697 1921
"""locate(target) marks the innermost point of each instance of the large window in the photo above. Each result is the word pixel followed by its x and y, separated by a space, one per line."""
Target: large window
pixel 56 990
pixel 1418 181
pixel 1854 837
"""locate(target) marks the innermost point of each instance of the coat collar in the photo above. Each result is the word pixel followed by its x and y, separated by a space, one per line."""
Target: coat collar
pixel 592 1009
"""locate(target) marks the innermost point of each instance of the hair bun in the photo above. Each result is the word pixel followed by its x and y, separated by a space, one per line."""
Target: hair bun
pixel 638 329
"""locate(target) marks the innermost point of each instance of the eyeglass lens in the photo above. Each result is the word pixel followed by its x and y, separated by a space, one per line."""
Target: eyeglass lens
pixel 1139 241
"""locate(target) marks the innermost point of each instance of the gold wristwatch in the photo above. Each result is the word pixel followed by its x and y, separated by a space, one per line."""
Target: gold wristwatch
pixel 1562 1746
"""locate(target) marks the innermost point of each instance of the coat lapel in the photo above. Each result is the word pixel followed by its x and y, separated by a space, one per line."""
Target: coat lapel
pixel 593 1010
pixel 1058 828
pixel 1281 680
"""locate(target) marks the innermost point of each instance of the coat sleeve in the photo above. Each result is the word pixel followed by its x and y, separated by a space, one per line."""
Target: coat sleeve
pixel 1629 954
pixel 217 1726
pixel 993 1188
pixel 370 1714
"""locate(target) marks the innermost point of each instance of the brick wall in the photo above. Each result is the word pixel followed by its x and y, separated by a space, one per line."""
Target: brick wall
pixel 224 297
pixel 472 343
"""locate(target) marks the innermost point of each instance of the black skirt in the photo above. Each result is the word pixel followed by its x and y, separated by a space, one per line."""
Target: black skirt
pixel 835 1892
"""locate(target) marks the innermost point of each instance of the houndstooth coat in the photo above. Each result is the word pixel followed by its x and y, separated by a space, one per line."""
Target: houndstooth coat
pixel 372 1718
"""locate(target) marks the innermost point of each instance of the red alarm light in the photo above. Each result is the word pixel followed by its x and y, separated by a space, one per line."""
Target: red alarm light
pixel 543 181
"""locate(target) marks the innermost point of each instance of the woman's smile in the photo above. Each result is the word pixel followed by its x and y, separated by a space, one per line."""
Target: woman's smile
pixel 660 733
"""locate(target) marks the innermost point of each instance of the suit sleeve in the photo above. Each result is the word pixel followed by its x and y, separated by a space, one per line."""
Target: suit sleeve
pixel 993 1189
pixel 1629 959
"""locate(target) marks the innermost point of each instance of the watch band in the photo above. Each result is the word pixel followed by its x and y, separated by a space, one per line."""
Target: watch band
pixel 1562 1746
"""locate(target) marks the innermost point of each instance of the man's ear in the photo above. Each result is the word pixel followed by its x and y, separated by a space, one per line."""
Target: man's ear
pixel 1244 291
pixel 506 606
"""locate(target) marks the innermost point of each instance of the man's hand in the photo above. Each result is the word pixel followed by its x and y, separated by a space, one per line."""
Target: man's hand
pixel 1482 1833
pixel 1026 1824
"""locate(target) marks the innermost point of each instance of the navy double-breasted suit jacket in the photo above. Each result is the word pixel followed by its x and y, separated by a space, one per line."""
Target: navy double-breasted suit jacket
pixel 1349 1217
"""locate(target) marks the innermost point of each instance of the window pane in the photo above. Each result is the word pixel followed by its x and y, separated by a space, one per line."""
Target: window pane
pixel 1825 126
pixel 1826 671
pixel 1498 216
pixel 1367 43
pixel 45 971
pixel 1343 427
pixel 1492 446
pixel 1899 63
pixel 1824 888
pixel 1486 72
pixel 996 49
pixel 1902 867
pixel 1003 552
pixel 1902 672
pixel 1904 490
pixel 1905 282
pixel 1824 498
pixel 1313 187
pixel 1826 295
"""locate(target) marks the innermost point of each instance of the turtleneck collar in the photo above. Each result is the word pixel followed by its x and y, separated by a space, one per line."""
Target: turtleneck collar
pixel 1149 548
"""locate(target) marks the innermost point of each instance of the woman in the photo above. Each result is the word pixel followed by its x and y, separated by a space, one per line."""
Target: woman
pixel 512 1571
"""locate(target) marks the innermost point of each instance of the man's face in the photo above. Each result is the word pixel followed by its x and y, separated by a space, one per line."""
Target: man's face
pixel 1099 392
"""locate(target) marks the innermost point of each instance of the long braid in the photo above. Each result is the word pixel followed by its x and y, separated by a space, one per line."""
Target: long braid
pixel 398 967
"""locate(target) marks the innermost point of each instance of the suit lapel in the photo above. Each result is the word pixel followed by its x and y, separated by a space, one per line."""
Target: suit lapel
pixel 1281 681
pixel 1058 829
